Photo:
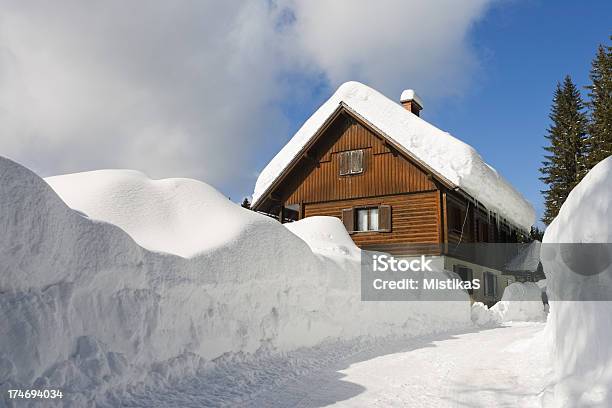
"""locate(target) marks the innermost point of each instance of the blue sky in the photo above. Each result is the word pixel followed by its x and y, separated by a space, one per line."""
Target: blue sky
pixel 523 48
pixel 527 47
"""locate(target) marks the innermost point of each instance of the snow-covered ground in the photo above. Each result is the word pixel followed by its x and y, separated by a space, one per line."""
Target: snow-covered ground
pixel 500 367
pixel 135 284
pixel 130 292
pixel 520 302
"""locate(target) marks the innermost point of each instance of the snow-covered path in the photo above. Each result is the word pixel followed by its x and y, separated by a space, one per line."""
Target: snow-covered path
pixel 497 367
pixel 500 367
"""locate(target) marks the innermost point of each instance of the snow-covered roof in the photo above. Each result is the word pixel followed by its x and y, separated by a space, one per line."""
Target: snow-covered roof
pixel 447 156
pixel 528 259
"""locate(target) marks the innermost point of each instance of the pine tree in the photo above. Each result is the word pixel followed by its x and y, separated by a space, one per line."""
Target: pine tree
pixel 599 142
pixel 565 164
pixel 536 234
pixel 246 203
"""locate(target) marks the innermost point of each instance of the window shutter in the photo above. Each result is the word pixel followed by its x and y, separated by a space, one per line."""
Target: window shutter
pixel 356 161
pixel 384 218
pixel 364 160
pixel 343 163
pixel 348 219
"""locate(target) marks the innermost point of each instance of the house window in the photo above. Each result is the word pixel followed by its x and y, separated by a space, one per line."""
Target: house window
pixel 482 233
pixel 490 284
pixel 351 162
pixel 456 219
pixel 364 219
pixel 465 274
pixel 367 219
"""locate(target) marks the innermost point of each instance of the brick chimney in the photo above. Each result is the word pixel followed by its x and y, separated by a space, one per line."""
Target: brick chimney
pixel 411 101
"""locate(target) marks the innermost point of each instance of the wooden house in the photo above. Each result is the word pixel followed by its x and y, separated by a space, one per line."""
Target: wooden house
pixel 398 183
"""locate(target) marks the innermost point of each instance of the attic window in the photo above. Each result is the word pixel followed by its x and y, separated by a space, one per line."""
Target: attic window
pixel 351 162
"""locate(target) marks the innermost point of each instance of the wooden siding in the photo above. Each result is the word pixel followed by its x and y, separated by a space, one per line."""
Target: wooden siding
pixel 424 210
pixel 477 226
pixel 385 171
pixel 414 220
pixel 459 223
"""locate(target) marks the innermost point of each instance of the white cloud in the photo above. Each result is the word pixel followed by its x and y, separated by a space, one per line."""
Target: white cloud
pixel 192 88
pixel 391 44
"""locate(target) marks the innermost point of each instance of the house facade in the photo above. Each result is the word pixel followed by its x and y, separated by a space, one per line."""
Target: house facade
pixel 389 198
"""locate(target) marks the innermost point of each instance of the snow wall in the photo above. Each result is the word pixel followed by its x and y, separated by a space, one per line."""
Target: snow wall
pixel 521 302
pixel 85 308
pixel 580 331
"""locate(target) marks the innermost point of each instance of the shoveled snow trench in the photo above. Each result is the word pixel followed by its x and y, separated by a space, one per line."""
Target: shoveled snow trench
pixel 497 367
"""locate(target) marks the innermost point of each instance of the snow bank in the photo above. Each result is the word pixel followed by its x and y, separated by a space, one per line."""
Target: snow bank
pixel 456 161
pixel 482 315
pixel 178 216
pixel 86 308
pixel 520 302
pixel 542 284
pixel 325 235
pixel 580 331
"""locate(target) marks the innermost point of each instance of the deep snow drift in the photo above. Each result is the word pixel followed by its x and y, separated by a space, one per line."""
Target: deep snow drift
pixel 179 216
pixel 85 308
pixel 520 302
pixel 453 159
pixel 325 235
pixel 580 331
pixel 482 315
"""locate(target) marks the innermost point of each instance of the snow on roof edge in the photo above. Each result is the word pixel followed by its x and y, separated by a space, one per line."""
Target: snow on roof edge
pixel 419 161
pixel 457 161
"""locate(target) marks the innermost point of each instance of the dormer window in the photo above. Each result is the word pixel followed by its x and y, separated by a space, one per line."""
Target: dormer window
pixel 351 162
